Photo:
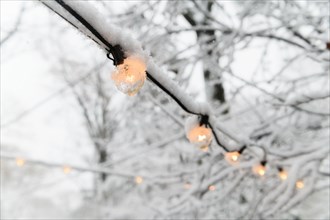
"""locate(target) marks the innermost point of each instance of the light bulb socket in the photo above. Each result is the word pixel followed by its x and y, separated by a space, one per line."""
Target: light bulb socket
pixel 263 162
pixel 280 169
pixel 242 149
pixel 204 120
pixel 117 54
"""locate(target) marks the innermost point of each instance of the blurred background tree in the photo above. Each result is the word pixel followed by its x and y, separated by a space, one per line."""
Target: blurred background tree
pixel 262 66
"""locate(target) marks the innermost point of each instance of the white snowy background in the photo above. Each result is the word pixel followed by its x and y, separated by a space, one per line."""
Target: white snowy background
pixel 31 64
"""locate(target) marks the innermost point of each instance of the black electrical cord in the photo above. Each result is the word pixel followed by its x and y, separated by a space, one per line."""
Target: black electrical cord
pixel 204 119
pixel 217 139
pixel 152 79
pixel 116 51
pixel 69 22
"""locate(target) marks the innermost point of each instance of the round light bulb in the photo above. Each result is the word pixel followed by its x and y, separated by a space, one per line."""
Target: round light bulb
pixel 187 186
pixel 200 135
pixel 20 162
pixel 259 169
pixel 67 169
pixel 300 184
pixel 212 188
pixel 232 157
pixel 129 76
pixel 138 180
pixel 283 175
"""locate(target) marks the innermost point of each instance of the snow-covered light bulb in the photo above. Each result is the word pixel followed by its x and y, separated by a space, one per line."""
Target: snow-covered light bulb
pixel 20 162
pixel 200 135
pixel 260 169
pixel 129 76
pixel 232 157
pixel 300 184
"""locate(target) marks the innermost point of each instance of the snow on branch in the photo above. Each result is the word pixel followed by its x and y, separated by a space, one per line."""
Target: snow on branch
pixel 301 98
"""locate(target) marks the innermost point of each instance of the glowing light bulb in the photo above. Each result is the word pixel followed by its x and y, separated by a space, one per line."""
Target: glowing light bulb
pixel 283 175
pixel 67 169
pixel 212 188
pixel 20 162
pixel 204 148
pixel 259 169
pixel 138 180
pixel 300 184
pixel 200 135
pixel 129 76
pixel 232 157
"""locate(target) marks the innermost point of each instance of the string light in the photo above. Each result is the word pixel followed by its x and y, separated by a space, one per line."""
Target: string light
pixel 300 184
pixel 260 169
pixel 212 188
pixel 138 180
pixel 67 169
pixel 20 162
pixel 200 135
pixel 129 76
pixel 283 174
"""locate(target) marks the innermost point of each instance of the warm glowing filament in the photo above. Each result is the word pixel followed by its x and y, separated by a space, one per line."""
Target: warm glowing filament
pixel 20 162
pixel 259 169
pixel 201 137
pixel 138 180
pixel 300 184
pixel 212 188
pixel 283 175
pixel 232 157
pixel 67 169
pixel 130 78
